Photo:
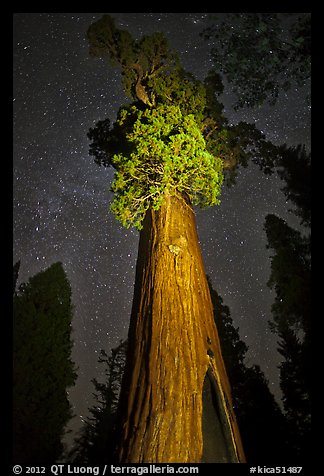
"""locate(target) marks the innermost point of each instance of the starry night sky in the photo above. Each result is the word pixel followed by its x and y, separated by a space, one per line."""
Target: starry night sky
pixel 61 197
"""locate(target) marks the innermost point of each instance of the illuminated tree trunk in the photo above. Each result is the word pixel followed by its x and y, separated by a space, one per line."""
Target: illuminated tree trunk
pixel 175 400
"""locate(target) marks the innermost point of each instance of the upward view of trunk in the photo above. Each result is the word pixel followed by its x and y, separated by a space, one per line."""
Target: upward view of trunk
pixel 175 400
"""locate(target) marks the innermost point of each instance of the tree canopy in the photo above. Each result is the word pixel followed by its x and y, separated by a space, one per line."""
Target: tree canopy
pixel 294 168
pixel 168 156
pixel 261 54
pixel 173 138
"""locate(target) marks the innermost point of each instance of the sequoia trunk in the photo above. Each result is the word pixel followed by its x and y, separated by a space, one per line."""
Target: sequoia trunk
pixel 175 400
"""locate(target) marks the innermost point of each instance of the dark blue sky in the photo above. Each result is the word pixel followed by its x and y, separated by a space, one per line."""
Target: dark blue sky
pixel 61 198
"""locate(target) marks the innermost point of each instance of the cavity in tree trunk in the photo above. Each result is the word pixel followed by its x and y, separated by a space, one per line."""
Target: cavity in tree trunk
pixel 175 400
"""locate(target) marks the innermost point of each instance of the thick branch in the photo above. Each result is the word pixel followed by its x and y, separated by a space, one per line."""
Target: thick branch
pixel 140 89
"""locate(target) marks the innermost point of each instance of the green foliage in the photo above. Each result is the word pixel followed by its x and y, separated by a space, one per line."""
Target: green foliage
pixel 105 40
pixel 180 88
pixel 141 61
pixel 173 138
pixel 168 156
pixel 43 369
pixel 157 145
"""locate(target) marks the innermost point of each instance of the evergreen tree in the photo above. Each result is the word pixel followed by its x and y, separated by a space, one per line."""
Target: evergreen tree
pixel 173 140
pixel 95 444
pixel 295 383
pixel 42 366
pixel 294 168
pixel 261 54
pixel 290 277
pixel 291 310
pixel 171 148
pixel 263 427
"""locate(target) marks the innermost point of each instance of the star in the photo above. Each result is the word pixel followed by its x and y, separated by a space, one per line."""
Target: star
pixel 61 197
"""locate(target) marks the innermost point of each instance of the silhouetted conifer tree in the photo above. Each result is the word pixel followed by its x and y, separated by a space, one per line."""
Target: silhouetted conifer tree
pixel 291 310
pixel 42 366
pixel 95 444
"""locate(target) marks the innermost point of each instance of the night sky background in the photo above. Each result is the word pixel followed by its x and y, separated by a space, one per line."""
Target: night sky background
pixel 61 197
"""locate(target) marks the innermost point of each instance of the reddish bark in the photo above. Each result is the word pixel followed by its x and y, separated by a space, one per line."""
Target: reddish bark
pixel 173 348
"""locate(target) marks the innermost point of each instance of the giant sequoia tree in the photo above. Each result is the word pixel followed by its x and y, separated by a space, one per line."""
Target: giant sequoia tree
pixel 170 148
pixel 262 425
